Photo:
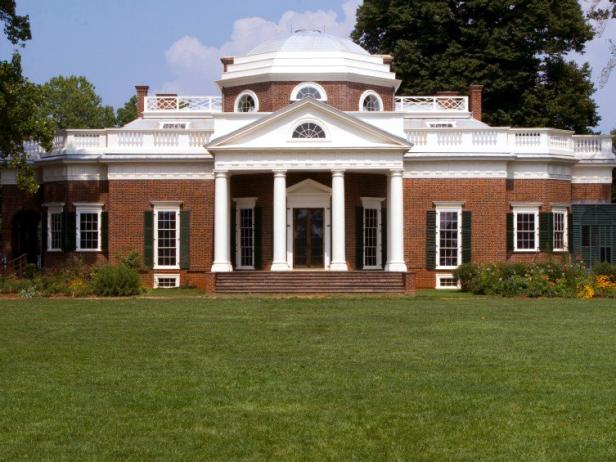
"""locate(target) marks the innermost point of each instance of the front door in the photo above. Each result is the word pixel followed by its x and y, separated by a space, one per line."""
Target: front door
pixel 308 238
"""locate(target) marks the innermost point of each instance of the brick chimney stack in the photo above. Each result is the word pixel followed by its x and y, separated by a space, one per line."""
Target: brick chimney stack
pixel 142 92
pixel 226 60
pixel 475 96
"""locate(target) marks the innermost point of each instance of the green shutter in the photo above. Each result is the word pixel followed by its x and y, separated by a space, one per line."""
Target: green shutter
pixel 431 239
pixel 546 232
pixel 148 239
pixel 69 231
pixel 44 231
pixel 359 237
pixel 185 239
pixel 104 232
pixel 258 238
pixel 232 238
pixel 467 225
pixel 383 237
pixel 570 237
pixel 510 232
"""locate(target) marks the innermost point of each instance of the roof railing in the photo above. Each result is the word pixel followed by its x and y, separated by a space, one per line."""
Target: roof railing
pixel 163 103
pixel 431 103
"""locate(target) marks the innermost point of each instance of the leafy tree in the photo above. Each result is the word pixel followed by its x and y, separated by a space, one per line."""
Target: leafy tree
pixel 72 102
pixel 128 112
pixel 516 49
pixel 21 118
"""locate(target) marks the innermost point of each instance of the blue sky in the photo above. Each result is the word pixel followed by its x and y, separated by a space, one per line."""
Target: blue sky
pixel 175 46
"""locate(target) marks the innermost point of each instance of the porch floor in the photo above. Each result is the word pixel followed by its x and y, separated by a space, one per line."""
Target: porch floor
pixel 310 282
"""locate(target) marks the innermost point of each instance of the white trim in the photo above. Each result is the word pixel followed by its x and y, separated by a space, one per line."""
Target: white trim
pixel 54 208
pixel 525 209
pixel 441 276
pixel 439 210
pixel 254 97
pixel 52 204
pixel 87 208
pixel 565 212
pixel 367 93
pixel 373 203
pixel 167 206
pixel 308 84
pixel 157 278
pixel 243 203
pixel 451 204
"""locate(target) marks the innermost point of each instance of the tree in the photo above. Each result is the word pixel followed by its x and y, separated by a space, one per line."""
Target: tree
pixel 128 112
pixel 72 102
pixel 21 118
pixel 516 49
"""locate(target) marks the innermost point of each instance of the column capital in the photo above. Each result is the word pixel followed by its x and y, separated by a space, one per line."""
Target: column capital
pixel 280 172
pixel 221 173
pixel 338 172
pixel 396 172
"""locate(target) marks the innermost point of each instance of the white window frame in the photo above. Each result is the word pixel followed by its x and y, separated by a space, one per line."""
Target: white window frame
pixel 158 277
pixel 564 212
pixel 517 210
pixel 374 203
pixel 448 208
pixel 250 93
pixel 370 93
pixel 440 277
pixel 300 122
pixel 244 203
pixel 82 208
pixel 303 85
pixel 53 209
pixel 167 207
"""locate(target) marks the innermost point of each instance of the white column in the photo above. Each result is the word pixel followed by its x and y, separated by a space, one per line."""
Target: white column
pixel 222 261
pixel 395 225
pixel 338 232
pixel 280 221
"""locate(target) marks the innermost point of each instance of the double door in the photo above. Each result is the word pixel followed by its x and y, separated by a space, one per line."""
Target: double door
pixel 308 237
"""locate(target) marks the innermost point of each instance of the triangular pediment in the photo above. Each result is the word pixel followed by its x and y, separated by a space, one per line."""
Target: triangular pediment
pixel 308 187
pixel 342 132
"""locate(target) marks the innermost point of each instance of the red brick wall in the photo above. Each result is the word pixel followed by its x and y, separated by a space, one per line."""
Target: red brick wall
pixel 276 95
pixel 590 192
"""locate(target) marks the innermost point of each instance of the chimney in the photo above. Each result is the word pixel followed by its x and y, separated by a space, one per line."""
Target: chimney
pixel 226 60
pixel 388 59
pixel 475 96
pixel 142 92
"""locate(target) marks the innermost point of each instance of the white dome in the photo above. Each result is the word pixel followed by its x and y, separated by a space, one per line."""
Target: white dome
pixel 308 40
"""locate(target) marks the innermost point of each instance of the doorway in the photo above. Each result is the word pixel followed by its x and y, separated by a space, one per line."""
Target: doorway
pixel 308 237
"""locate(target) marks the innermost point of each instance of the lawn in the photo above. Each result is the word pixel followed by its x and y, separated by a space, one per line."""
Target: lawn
pixel 438 377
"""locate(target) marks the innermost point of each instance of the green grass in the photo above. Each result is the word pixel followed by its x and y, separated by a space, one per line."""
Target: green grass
pixel 439 377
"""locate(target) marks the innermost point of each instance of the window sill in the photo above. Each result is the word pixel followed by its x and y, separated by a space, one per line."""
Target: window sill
pixel 88 250
pixel 166 267
pixel 527 251
pixel 446 268
pixel 54 250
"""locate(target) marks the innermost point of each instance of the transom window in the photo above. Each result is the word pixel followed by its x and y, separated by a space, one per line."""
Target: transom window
pixel 560 230
pixel 526 230
pixel 308 90
pixel 166 236
pixel 448 237
pixel 308 130
pixel 246 102
pixel 89 228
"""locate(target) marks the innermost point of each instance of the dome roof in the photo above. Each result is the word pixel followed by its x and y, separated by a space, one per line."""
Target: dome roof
pixel 309 40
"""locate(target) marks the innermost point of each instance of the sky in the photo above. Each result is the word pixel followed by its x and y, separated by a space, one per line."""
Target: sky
pixel 176 46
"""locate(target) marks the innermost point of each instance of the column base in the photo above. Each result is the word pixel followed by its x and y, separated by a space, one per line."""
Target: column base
pixel 280 266
pixel 222 267
pixel 338 266
pixel 396 267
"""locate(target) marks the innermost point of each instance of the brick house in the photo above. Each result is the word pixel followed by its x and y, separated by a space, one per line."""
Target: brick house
pixel 310 174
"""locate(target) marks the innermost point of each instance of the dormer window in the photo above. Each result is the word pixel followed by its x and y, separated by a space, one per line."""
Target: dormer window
pixel 370 101
pixel 309 90
pixel 308 130
pixel 247 101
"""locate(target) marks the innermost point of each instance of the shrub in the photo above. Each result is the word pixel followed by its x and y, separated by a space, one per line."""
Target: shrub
pixel 115 281
pixel 132 260
pixel 605 269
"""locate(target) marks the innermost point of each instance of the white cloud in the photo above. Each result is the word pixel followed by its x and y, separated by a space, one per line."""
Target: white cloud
pixel 196 65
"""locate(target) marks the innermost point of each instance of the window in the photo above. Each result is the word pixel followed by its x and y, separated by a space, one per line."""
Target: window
pixel 448 237
pixel 166 281
pixel 245 232
pixel 246 102
pixel 166 237
pixel 174 125
pixel 88 227
pixel 308 90
pixel 308 130
pixel 560 230
pixel 526 229
pixel 447 281
pixel 370 102
pixel 54 230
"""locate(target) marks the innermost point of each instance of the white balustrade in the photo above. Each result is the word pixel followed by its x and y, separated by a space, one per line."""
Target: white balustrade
pixel 431 103
pixel 183 103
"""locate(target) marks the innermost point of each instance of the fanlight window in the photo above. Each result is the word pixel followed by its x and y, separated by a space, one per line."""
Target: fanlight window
pixel 309 92
pixel 371 103
pixel 246 103
pixel 308 130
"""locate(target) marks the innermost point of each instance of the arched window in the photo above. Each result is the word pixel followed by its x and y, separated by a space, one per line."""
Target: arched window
pixel 370 101
pixel 308 130
pixel 308 90
pixel 247 102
